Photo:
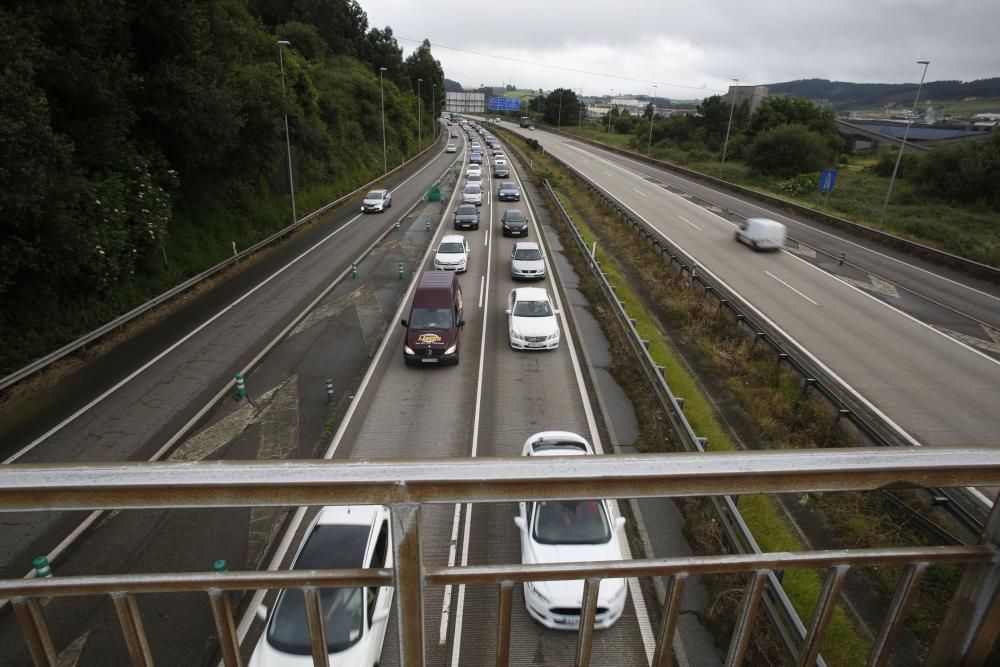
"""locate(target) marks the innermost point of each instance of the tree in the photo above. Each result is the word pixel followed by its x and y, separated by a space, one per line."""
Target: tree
pixel 647 112
pixel 776 111
pixel 421 64
pixel 561 103
pixel 623 124
pixel 964 173
pixel 714 118
pixel 381 50
pixel 788 150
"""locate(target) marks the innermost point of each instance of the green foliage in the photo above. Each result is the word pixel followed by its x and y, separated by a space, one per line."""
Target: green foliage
pixel 561 103
pixel 908 165
pixel 623 124
pixel 966 173
pixel 800 186
pixel 787 150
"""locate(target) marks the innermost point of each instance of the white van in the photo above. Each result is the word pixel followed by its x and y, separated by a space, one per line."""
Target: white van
pixel 761 234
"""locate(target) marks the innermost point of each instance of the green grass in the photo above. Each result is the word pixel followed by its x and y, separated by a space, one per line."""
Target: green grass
pixel 845 645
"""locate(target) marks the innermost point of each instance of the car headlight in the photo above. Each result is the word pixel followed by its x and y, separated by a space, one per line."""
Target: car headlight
pixel 451 350
pixel 554 336
pixel 515 334
pixel 408 350
pixel 536 591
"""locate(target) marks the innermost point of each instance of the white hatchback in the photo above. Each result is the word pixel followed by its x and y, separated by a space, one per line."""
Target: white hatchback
pixel 565 531
pixel 473 169
pixel 452 254
pixel 472 194
pixel 355 619
pixel 531 319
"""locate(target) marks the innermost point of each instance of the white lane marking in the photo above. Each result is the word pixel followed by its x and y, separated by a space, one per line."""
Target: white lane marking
pixel 791 288
pixel 777 214
pixel 606 172
pixel 689 222
pixel 638 191
pixel 446 603
pixel 460 605
pixel 58 427
pixel 482 287
pixel 295 522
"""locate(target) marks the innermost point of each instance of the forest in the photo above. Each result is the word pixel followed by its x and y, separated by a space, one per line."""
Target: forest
pixel 140 140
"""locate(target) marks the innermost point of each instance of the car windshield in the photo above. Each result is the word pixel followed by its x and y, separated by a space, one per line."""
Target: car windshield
pixel 451 248
pixel 374 194
pixel 466 209
pixel 513 216
pixel 424 319
pixel 571 522
pixel 532 309
pixel 475 177
pixel 527 254
pixel 332 547
pixel 509 187
pixel 472 189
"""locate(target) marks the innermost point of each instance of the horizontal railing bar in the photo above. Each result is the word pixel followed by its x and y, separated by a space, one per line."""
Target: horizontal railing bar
pixel 185 582
pixel 387 481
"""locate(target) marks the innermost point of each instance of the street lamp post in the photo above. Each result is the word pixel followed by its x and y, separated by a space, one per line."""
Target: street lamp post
pixel 434 114
pixel 385 163
pixel 559 120
pixel 420 140
pixel 902 146
pixel 611 105
pixel 725 145
pixel 288 141
pixel 649 149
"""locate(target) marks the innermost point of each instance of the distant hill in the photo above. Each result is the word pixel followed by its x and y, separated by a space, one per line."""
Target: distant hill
pixel 845 95
pixel 452 86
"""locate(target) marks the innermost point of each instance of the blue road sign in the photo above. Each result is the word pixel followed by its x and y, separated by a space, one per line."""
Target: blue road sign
pixel 504 104
pixel 827 180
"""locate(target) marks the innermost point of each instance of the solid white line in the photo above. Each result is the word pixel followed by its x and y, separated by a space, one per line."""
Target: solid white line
pixel 777 214
pixel 791 288
pixel 293 525
pixel 58 427
pixel 640 192
pixel 689 222
pixel 460 606
pixel 446 603
pixel 482 287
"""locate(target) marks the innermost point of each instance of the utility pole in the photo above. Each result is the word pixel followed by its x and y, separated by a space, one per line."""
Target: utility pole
pixel 732 105
pixel 902 146
pixel 288 141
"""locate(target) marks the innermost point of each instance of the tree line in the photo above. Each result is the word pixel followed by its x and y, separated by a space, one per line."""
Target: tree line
pixel 124 125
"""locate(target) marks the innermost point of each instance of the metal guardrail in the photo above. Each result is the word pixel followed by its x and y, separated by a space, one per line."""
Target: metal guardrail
pixel 933 255
pixel 121 320
pixel 405 485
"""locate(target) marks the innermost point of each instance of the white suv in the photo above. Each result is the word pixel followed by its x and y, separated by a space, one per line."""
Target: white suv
pixel 452 254
pixel 376 201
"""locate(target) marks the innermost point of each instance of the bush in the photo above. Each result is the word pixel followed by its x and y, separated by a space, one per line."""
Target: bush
pixel 533 144
pixel 966 173
pixel 908 166
pixel 623 125
pixel 788 150
pixel 802 185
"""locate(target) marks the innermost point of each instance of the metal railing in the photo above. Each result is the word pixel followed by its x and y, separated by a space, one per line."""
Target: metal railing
pixel 121 320
pixel 966 636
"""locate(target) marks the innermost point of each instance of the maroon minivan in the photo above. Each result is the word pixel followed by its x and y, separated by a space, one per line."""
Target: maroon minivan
pixel 432 331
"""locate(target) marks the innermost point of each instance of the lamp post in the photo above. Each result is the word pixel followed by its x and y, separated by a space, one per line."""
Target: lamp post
pixel 902 146
pixel 652 112
pixel 725 145
pixel 579 102
pixel 434 114
pixel 381 90
pixel 420 141
pixel 559 119
pixel 288 141
pixel 611 106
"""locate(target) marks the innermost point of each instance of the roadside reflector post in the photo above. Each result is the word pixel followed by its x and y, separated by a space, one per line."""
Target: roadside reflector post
pixel 428 224
pixel 354 266
pixel 42 567
pixel 397 225
pixel 329 391
pixel 400 270
pixel 841 260
pixel 219 566
pixel 241 387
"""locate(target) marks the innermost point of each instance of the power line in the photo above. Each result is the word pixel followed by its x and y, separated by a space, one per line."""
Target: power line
pixel 559 67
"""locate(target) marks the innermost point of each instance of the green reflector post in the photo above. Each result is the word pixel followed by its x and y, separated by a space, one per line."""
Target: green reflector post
pixel 42 568
pixel 219 566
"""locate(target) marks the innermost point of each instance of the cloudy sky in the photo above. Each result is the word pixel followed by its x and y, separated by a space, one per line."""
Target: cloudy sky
pixel 692 48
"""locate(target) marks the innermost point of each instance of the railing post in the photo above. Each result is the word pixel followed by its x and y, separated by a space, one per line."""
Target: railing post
pixel 972 623
pixel 409 572
pixel 35 631
pixel 131 622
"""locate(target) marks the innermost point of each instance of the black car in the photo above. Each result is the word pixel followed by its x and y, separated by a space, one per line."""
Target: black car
pixel 509 192
pixel 467 217
pixel 514 222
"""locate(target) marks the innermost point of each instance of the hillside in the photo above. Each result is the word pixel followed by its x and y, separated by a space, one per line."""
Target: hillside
pixel 845 95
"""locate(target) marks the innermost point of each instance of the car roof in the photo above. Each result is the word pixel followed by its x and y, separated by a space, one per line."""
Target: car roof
pixel 350 514
pixel 453 238
pixel 556 443
pixel 526 245
pixel 531 294
pixel 377 192
pixel 467 207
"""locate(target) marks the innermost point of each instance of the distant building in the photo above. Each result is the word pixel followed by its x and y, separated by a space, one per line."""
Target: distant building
pixel 752 94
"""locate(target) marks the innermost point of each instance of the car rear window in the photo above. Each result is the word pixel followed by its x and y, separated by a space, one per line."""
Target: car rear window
pixel 332 546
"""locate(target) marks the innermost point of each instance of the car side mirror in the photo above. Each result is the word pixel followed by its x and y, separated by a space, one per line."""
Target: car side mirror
pixel 262 612
pixel 507 311
pixel 556 311
pixel 619 522
pixel 520 523
pixel 404 323
pixel 461 323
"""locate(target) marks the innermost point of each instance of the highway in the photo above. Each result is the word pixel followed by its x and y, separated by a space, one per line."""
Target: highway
pixel 937 389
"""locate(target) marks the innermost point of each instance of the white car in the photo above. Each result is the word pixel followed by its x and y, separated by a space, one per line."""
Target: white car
pixel 526 261
pixel 356 536
pixel 376 201
pixel 476 147
pixel 474 179
pixel 451 148
pixel 531 319
pixel 473 169
pixel 566 531
pixel 472 194
pixel 452 254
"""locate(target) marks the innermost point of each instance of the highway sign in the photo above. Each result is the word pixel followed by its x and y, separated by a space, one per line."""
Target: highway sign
pixel 504 104
pixel 827 180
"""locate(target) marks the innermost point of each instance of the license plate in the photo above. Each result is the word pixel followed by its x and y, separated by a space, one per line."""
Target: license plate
pixel 428 360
